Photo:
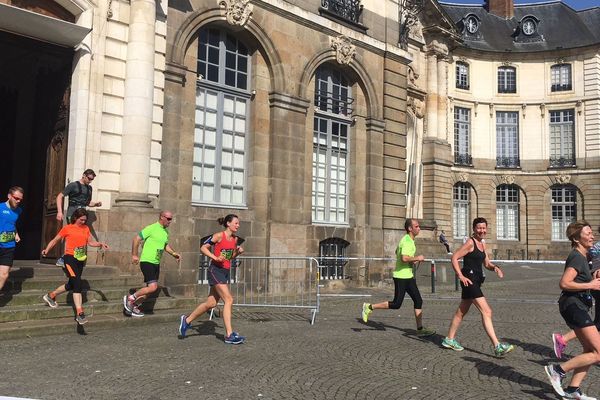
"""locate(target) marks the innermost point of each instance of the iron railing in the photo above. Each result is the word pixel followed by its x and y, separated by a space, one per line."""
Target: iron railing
pixel 349 10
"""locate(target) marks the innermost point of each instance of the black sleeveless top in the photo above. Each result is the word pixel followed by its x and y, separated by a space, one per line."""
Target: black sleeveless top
pixel 473 261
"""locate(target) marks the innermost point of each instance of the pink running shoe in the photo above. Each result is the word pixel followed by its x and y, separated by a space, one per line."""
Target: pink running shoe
pixel 559 345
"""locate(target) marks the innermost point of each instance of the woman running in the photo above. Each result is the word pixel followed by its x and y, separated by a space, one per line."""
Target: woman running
pixel 224 249
pixel 574 305
pixel 77 237
pixel 474 255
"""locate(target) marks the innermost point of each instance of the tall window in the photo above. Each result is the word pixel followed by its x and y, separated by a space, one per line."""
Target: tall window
pixel 561 77
pixel 507 139
pixel 460 210
pixel 331 128
pixel 462 76
pixel 562 138
pixel 507 80
pixel 222 100
pixel 462 136
pixel 564 210
pixel 507 212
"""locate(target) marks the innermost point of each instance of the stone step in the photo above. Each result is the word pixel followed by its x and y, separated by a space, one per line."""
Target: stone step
pixel 45 270
pixel 49 283
pixel 34 297
pixel 97 322
pixel 40 312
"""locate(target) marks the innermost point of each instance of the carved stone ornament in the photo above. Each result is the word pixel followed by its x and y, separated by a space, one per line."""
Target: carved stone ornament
pixel 563 179
pixel 417 106
pixel 507 179
pixel 464 178
pixel 237 12
pixel 344 49
pixel 412 76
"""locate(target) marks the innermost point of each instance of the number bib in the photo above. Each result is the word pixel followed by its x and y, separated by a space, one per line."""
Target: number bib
pixel 80 253
pixel 6 237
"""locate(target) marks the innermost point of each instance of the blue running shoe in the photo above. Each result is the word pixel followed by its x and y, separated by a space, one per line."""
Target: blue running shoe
pixel 183 326
pixel 234 338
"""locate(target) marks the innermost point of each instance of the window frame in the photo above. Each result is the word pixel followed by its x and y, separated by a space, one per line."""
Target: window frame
pixel 562 144
pixel 462 136
pixel 559 73
pixel 462 77
pixel 505 86
pixel 507 140
pixel 507 205
pixel 561 204
pixel 461 201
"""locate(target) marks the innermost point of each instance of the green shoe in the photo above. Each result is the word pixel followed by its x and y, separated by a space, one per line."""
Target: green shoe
pixel 366 310
pixel 503 349
pixel 422 331
pixel 452 344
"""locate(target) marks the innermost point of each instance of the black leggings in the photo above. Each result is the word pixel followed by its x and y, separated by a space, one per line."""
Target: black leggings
pixel 403 286
pixel 73 269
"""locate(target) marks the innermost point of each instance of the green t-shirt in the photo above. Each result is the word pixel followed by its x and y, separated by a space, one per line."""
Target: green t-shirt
pixel 406 247
pixel 155 237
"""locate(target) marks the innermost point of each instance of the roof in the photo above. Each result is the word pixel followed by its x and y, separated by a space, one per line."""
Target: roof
pixel 558 26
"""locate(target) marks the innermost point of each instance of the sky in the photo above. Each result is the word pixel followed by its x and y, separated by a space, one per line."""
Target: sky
pixel 576 4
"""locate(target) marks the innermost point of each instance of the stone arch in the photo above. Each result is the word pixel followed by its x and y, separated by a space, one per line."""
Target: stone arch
pixel 187 32
pixel 364 80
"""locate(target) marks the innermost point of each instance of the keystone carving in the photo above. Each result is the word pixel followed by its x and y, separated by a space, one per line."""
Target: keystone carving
pixel 344 49
pixel 563 179
pixel 237 12
pixel 507 179
pixel 464 178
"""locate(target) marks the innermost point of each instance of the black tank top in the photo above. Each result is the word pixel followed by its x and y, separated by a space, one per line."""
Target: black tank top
pixel 473 261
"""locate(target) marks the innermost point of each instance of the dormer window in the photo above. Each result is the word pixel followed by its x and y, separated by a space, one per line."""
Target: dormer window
pixel 529 26
pixel 472 24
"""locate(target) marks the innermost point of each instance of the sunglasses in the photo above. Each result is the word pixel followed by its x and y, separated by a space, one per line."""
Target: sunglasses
pixel 167 218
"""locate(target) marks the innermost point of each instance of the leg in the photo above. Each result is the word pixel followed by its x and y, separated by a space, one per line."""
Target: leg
pixel 486 318
pixel 590 341
pixel 461 311
pixel 211 302
pixel 399 292
pixel 222 290
pixel 4 269
pixel 415 295
pixel 142 293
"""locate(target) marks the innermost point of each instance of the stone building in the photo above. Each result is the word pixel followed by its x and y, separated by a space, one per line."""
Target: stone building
pixel 511 126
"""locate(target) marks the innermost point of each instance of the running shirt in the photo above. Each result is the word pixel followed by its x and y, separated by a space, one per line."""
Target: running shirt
pixel 406 247
pixel 473 261
pixel 8 230
pixel 226 248
pixel 156 238
pixel 579 263
pixel 76 239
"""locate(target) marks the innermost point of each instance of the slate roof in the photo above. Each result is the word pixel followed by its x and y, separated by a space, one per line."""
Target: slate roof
pixel 559 26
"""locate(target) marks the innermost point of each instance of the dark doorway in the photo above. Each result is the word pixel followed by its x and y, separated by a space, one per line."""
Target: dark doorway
pixel 34 97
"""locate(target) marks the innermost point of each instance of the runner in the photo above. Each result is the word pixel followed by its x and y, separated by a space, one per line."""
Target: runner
pixel 225 248
pixel 474 255
pixel 404 279
pixel 9 237
pixel 574 305
pixel 560 341
pixel 77 237
pixel 156 240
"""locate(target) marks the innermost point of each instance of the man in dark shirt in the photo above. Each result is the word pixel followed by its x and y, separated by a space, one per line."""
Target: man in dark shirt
pixel 79 193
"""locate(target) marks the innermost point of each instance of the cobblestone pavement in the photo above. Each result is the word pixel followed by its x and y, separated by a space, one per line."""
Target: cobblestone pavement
pixel 287 358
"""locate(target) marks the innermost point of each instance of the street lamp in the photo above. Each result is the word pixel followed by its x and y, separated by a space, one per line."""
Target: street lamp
pixel 408 10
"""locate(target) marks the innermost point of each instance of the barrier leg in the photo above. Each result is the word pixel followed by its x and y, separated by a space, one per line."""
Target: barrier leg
pixel 432 276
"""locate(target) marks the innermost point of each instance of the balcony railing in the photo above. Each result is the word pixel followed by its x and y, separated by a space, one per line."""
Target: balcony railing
pixel 463 159
pixel 349 10
pixel 508 162
pixel 562 162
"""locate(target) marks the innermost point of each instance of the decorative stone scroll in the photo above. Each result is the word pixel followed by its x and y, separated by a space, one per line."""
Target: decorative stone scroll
pixel 507 179
pixel 563 179
pixel 344 49
pixel 463 178
pixel 237 12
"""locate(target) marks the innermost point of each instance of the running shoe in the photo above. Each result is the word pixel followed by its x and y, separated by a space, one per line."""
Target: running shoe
pixel 366 310
pixel 127 304
pixel 183 326
pixel 422 331
pixel 50 301
pixel 136 312
pixel 555 379
pixel 81 318
pixel 234 338
pixel 559 345
pixel 503 349
pixel 452 344
pixel 60 262
pixel 577 394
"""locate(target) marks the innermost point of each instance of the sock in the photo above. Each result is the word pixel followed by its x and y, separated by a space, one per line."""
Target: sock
pixel 52 295
pixel 572 389
pixel 79 310
pixel 559 369
pixel 132 298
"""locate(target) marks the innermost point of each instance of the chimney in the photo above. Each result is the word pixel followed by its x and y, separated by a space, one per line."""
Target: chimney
pixel 501 8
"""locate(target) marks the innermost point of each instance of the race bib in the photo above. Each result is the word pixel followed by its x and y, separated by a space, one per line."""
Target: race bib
pixel 80 253
pixel 227 253
pixel 6 237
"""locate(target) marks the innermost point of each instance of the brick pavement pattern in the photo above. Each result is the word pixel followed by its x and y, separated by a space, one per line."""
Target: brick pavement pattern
pixel 287 358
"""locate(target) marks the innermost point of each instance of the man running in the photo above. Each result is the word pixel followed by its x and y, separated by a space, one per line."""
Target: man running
pixel 156 240
pixel 404 279
pixel 9 237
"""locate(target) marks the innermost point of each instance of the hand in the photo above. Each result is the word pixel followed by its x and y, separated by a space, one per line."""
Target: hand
pixel 98 204
pixel 465 281
pixel 499 272
pixel 104 246
pixel 44 252
pixel 177 256
pixel 240 250
pixel 220 259
pixel 597 273
pixel 420 258
pixel 59 216
pixel 135 259
pixel 595 284
pixel 17 238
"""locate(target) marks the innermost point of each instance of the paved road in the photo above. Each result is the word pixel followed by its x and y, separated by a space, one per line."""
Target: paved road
pixel 287 358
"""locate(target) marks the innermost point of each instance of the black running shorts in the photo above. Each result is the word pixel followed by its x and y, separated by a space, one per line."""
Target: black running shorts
pixel 7 255
pixel 217 275
pixel 150 271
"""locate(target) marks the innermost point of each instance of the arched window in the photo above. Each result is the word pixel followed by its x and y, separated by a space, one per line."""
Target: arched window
pixel 222 102
pixel 507 212
pixel 462 75
pixel 564 209
pixel 507 80
pixel 461 195
pixel 331 134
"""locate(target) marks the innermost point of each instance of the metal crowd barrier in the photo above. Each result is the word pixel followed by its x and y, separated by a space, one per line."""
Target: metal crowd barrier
pixel 276 282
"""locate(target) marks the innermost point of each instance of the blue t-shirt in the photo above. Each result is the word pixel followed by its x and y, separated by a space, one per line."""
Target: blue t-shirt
pixel 8 229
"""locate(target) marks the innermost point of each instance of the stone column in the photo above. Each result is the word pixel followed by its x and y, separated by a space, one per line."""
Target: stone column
pixel 442 100
pixel 432 94
pixel 138 104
